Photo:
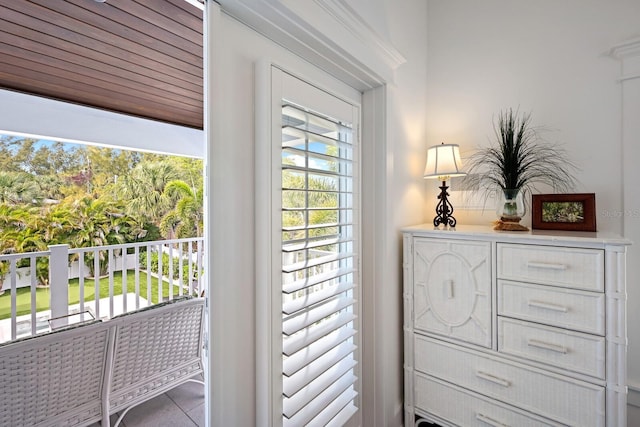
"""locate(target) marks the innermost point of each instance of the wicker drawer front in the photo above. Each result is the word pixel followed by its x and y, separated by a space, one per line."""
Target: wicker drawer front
pixel 452 289
pixel 562 399
pixel 548 265
pixel 579 310
pixel 574 351
pixel 465 408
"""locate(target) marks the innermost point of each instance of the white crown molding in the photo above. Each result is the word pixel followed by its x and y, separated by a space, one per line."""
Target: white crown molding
pixel 347 47
pixel 628 53
pixel 344 14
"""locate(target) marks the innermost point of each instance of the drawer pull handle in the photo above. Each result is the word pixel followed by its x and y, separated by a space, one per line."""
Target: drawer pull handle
pixel 548 306
pixel 489 421
pixel 449 285
pixel 493 379
pixel 547 346
pixel 546 265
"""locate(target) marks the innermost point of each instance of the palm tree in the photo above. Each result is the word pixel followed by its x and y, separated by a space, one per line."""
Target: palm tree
pixel 15 220
pixel 58 223
pixel 51 186
pixel 101 222
pixel 186 218
pixel 18 188
pixel 144 190
pixel 22 231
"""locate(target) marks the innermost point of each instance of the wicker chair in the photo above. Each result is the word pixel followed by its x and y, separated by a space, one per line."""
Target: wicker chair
pixel 80 375
pixel 55 379
pixel 155 350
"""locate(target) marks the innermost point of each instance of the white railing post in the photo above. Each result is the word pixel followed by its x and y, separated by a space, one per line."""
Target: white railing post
pixel 58 280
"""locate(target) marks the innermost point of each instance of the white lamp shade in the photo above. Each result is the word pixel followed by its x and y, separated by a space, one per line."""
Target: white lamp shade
pixel 443 161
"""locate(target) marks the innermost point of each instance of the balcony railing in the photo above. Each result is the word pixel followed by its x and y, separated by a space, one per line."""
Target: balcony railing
pixel 47 289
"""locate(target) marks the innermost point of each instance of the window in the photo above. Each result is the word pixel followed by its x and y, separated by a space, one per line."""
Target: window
pixel 315 280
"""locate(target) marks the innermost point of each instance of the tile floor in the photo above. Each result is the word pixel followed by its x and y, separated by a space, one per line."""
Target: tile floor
pixel 181 407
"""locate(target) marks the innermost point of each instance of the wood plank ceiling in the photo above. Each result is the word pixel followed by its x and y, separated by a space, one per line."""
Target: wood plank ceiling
pixel 139 57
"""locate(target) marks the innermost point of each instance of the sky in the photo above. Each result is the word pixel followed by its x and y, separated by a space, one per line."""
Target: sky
pixel 48 143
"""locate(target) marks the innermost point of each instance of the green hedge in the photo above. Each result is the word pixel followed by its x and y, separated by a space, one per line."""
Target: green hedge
pixel 165 266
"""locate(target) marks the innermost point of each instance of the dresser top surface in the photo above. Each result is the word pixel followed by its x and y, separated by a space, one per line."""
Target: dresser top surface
pixel 540 236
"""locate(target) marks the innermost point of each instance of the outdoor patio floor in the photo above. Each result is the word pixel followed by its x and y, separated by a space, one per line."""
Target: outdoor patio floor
pixel 181 407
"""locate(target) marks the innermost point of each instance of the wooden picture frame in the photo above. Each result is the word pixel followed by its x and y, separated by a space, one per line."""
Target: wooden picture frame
pixel 573 212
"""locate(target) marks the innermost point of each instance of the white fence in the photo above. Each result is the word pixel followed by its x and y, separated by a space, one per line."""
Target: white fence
pixel 23 274
pixel 175 269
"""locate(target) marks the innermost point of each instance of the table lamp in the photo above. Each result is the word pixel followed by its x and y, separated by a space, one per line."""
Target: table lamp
pixel 443 162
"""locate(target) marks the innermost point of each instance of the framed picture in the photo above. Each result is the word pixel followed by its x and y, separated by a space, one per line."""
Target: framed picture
pixel 574 212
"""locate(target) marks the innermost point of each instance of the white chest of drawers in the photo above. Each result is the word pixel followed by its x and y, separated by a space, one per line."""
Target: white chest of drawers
pixel 514 329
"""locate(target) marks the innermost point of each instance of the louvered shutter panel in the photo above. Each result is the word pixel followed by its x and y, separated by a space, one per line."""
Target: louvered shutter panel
pixel 319 268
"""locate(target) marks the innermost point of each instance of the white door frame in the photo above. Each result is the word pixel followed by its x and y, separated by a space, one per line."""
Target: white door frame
pixel 222 397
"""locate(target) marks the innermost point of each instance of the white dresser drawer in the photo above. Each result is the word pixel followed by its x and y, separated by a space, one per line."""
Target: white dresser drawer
pixel 549 265
pixel 452 289
pixel 562 399
pixel 464 408
pixel 565 308
pixel 574 351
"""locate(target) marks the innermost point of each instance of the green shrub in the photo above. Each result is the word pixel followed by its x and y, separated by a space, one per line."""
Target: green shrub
pixel 165 266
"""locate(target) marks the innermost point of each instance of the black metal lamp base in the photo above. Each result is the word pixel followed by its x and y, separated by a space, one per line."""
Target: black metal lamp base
pixel 444 209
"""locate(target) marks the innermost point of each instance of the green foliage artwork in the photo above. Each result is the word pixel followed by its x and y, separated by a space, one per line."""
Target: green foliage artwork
pixel 570 212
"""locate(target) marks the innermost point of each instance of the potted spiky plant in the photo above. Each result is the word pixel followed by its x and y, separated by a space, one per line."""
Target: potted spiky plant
pixel 512 166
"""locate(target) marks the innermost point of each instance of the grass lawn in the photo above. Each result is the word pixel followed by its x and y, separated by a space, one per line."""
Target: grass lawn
pixel 23 296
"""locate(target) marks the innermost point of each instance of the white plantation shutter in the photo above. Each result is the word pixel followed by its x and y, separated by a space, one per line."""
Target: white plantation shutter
pixel 319 287
pixel 307 245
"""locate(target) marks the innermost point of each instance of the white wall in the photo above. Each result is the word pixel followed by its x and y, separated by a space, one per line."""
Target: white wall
pixel 394 178
pixel 406 145
pixel 552 59
pixel 546 57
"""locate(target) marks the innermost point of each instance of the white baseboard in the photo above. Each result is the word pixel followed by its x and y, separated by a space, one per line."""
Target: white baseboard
pixel 633 398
